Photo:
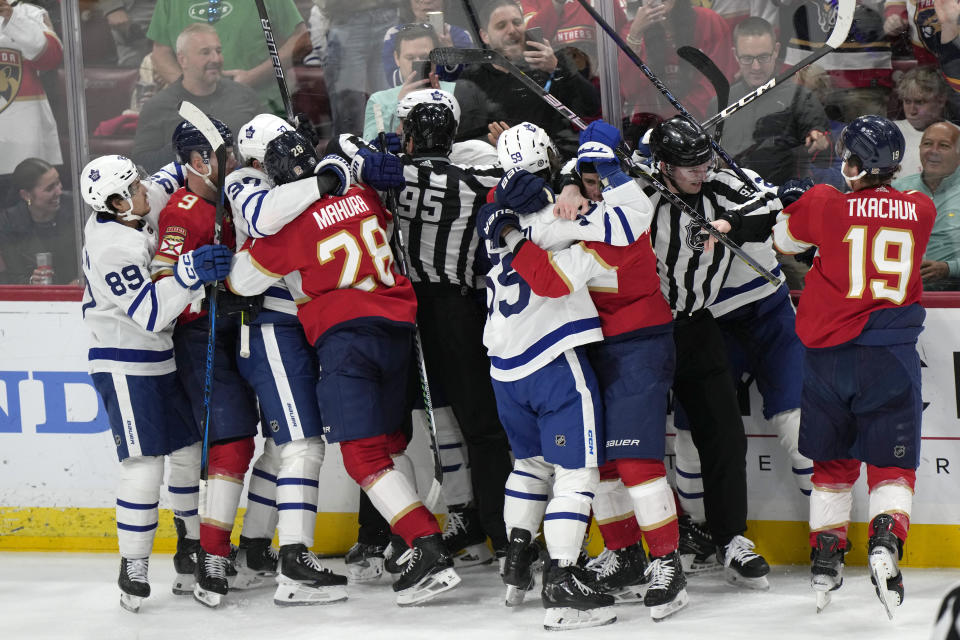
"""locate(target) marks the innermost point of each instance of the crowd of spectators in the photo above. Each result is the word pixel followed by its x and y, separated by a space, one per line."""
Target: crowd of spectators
pixel 342 57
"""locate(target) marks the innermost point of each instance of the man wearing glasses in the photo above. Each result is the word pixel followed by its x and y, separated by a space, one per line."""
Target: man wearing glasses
pixel 779 133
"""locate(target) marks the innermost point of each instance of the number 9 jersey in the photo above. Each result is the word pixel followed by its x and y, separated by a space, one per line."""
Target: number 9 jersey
pixel 870 245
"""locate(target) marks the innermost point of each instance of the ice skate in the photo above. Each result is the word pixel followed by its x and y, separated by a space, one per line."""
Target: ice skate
pixel 184 560
pixel 256 559
pixel 698 553
pixel 518 563
pixel 743 567
pixel 826 568
pixel 620 573
pixel 133 582
pixel 427 571
pixel 395 555
pixel 464 538
pixel 364 562
pixel 304 581
pixel 884 552
pixel 571 604
pixel 211 577
pixel 667 592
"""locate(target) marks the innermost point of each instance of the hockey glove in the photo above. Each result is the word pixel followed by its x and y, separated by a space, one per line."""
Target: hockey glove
pixel 602 132
pixel 791 190
pixel 208 263
pixel 382 171
pixel 595 156
pixel 806 257
pixel 523 191
pixel 306 128
pixel 492 220
pixel 337 167
pixel 230 304
pixel 392 141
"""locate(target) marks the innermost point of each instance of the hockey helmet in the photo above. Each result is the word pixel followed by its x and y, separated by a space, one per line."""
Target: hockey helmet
pixel 526 146
pixel 105 177
pixel 254 136
pixel 435 96
pixel 432 127
pixel 289 157
pixel 187 138
pixel 680 142
pixel 876 142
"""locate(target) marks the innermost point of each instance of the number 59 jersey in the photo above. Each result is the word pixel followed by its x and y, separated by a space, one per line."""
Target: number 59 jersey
pixel 339 247
pixel 870 245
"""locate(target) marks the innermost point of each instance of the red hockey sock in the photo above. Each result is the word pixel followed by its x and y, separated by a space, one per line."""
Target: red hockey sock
pixel 415 524
pixel 663 540
pixel 621 533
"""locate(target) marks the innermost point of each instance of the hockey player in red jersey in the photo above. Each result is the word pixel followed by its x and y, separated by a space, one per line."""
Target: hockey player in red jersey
pixel 859 318
pixel 359 315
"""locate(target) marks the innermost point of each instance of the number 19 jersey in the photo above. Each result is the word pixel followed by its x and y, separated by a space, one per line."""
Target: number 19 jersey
pixel 870 245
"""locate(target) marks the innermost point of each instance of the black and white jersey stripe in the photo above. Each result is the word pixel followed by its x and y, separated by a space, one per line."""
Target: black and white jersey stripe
pixel 689 277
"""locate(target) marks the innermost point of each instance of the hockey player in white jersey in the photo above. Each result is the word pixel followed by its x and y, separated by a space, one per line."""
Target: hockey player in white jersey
pixel 130 320
pixel 547 394
pixel 281 367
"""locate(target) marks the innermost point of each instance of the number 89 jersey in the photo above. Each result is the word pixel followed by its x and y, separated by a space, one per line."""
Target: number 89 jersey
pixel 870 245
pixel 339 246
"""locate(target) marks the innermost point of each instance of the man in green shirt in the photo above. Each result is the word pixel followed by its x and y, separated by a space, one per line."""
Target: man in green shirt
pixel 940 157
pixel 237 22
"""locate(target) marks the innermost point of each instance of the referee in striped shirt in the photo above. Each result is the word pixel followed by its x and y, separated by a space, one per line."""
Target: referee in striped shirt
pixel 692 272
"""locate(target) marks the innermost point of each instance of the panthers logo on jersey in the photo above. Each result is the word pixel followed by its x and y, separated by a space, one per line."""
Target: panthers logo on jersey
pixel 11 74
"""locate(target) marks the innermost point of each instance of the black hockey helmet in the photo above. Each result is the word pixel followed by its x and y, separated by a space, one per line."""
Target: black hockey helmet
pixel 432 128
pixel 289 157
pixel 680 142
pixel 187 138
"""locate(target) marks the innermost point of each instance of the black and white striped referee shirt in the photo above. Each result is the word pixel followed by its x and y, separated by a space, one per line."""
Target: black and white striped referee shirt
pixel 690 278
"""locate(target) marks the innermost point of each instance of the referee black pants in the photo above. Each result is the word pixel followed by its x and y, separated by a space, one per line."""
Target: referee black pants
pixel 703 385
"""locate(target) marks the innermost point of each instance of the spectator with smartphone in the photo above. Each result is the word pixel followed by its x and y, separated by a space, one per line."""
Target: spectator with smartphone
pixel 421 13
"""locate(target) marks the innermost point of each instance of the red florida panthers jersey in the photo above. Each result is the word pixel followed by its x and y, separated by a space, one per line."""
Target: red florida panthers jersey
pixel 339 247
pixel 870 244
pixel 187 223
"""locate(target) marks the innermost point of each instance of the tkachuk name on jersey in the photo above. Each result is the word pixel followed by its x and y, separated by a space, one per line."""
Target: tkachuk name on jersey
pixel 882 208
pixel 339 210
pixel 623 443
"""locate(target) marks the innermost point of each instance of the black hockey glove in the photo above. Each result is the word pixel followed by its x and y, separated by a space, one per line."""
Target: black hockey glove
pixel 791 190
pixel 307 129
pixel 230 304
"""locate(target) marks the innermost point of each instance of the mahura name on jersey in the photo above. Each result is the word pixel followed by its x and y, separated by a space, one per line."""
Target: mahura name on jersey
pixel 339 210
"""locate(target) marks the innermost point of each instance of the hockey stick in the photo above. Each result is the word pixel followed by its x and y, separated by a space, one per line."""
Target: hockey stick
pixel 199 119
pixel 662 88
pixel 841 29
pixel 452 55
pixel 275 57
pixel 706 66
pixel 432 500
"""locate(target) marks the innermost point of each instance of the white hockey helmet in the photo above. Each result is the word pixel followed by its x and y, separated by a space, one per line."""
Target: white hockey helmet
pixel 435 96
pixel 108 176
pixel 253 137
pixel 525 146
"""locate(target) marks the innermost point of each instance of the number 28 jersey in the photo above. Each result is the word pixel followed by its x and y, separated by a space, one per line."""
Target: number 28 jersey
pixel 339 247
pixel 870 245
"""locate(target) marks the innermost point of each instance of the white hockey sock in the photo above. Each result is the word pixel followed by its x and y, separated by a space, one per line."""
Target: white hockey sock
pixel 526 493
pixel 568 513
pixel 222 500
pixel 830 508
pixel 393 495
pixel 260 519
pixel 787 424
pixel 612 503
pixel 183 485
pixel 297 490
pixel 403 464
pixel 895 498
pixel 138 499
pixel 653 503
pixel 689 480
pixel 457 488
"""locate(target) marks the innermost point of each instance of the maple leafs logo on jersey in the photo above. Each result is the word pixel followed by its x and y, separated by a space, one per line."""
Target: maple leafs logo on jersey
pixel 172 242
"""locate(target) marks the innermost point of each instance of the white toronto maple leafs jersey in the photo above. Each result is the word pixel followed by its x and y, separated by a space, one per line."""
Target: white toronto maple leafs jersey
pixel 129 317
pixel 261 209
pixel 524 331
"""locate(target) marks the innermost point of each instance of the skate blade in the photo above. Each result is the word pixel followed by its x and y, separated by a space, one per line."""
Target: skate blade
pixel 757 584
pixel 429 587
pixel 473 556
pixel 515 595
pixel 823 599
pixel 367 571
pixel 882 568
pixel 661 611
pixel 210 599
pixel 565 618
pixel 297 595
pixel 247 579
pixel 130 603
pixel 631 594
pixel 691 566
pixel 183 584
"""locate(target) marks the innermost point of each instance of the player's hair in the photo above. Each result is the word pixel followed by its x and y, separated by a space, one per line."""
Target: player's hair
pixel 414 32
pixel 28 173
pixel 487 10
pixel 753 26
pixel 919 81
pixel 189 30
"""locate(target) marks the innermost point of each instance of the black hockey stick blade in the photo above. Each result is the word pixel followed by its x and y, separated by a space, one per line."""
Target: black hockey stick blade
pixel 841 29
pixel 706 66
pixel 275 57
